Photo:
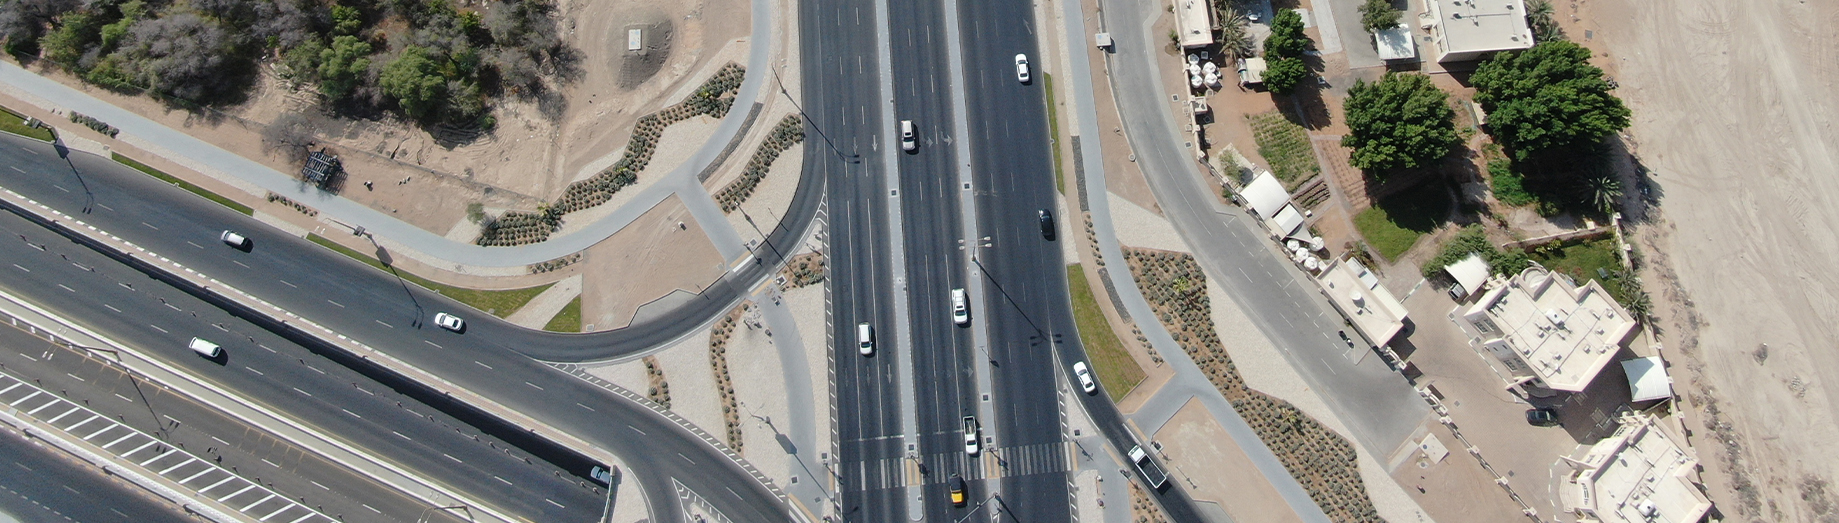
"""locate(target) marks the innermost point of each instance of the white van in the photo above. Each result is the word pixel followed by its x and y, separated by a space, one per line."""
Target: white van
pixel 205 348
pixel 960 308
pixel 865 338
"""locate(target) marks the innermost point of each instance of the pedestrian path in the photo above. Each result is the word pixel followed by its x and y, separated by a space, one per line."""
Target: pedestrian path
pixel 139 449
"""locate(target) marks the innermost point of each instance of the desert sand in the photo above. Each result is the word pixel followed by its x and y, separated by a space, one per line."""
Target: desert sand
pixel 1733 124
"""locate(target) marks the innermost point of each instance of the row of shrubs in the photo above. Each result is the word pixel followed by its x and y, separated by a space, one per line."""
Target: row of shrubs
pixel 659 390
pixel 283 200
pixel 802 270
pixel 714 98
pixel 789 132
pixel 1322 461
pixel 558 263
pixel 724 384
pixel 92 123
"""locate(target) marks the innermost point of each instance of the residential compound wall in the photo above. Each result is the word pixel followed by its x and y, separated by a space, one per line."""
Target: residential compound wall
pixel 1546 330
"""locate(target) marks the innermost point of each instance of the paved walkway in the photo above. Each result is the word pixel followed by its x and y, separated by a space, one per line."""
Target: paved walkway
pixel 803 451
pixel 245 173
pixel 1189 381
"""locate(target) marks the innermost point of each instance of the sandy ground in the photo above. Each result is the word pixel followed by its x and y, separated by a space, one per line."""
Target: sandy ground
pixel 544 307
pixel 1745 227
pixel 1138 227
pixel 759 386
pixel 770 199
pixel 692 383
pixel 1212 467
pixel 651 258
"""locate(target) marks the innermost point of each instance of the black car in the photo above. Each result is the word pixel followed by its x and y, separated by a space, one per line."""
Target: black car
pixel 1542 417
pixel 1047 224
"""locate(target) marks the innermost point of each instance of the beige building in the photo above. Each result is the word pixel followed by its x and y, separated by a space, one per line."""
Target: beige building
pixel 1548 332
pixel 1194 22
pixel 1468 29
pixel 1356 292
pixel 1641 474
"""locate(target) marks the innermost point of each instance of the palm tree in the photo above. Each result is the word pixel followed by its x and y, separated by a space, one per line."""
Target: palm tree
pixel 1539 16
pixel 1235 38
pixel 1602 190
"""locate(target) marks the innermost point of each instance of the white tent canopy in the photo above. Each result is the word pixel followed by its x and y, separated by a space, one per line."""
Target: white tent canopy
pixel 1470 273
pixel 1287 222
pixel 1265 195
pixel 1395 44
pixel 1647 379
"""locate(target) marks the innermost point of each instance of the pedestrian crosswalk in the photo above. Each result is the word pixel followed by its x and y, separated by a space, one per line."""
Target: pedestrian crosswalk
pixel 992 463
pixel 130 446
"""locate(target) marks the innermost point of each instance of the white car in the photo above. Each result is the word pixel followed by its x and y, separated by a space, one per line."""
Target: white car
pixel 449 322
pixel 1085 377
pixel 1021 68
pixel 960 308
pixel 865 339
pixel 234 240
pixel 907 142
pixel 971 436
pixel 205 348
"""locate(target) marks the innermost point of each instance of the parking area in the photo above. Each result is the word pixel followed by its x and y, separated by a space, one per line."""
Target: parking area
pixel 1493 419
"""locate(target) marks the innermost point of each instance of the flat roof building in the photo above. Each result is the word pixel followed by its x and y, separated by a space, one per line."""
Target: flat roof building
pixel 1641 474
pixel 1194 22
pixel 1356 292
pixel 1467 29
pixel 1546 330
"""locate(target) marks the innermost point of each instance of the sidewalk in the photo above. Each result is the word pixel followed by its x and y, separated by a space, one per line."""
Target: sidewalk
pixel 257 179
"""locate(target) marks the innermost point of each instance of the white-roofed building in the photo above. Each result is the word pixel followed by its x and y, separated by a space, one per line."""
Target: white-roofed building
pixel 1648 379
pixel 1265 195
pixel 1356 292
pixel 1641 474
pixel 1468 29
pixel 1194 22
pixel 1395 44
pixel 1470 274
pixel 1547 331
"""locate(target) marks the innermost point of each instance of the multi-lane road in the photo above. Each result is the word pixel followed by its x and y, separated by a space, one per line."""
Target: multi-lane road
pixel 368 305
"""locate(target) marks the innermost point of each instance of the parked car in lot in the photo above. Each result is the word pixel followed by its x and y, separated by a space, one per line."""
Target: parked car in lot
pixel 1084 375
pixel 450 322
pixel 1542 417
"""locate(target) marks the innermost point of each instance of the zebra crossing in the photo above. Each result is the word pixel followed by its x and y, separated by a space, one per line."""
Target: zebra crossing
pixel 992 463
pixel 134 447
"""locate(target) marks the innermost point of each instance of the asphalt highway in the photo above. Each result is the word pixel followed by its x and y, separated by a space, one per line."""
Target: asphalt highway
pixel 43 485
pixel 158 320
pixel 381 311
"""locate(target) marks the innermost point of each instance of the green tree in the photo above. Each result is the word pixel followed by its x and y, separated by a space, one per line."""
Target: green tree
pixel 343 66
pixel 75 32
pixel 1287 39
pixel 303 60
pixel 1282 75
pixel 1547 98
pixel 1378 15
pixel 1400 122
pixel 346 20
pixel 414 81
pixel 131 12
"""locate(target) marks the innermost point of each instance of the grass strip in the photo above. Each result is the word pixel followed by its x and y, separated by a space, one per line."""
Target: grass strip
pixel 208 195
pixel 1113 365
pixel 497 303
pixel 568 320
pixel 1053 132
pixel 15 123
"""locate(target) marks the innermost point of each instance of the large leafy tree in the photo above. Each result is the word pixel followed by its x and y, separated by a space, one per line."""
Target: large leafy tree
pixel 1378 15
pixel 342 66
pixel 414 81
pixel 1287 39
pixel 1547 98
pixel 1282 75
pixel 1400 122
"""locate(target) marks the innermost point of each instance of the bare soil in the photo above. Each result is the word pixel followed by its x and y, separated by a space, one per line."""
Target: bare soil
pixel 1732 112
pixel 661 252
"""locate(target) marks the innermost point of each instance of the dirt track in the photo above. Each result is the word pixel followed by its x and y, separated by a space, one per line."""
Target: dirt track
pixel 1731 117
